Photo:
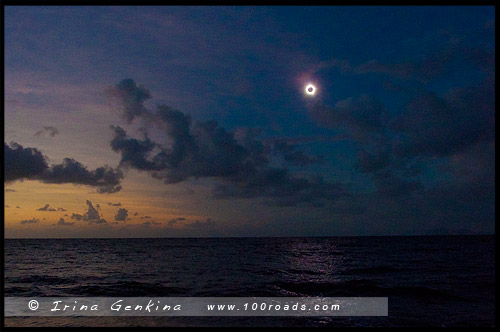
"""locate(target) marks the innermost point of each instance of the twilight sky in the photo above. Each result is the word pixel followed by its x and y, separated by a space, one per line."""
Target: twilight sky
pixel 195 122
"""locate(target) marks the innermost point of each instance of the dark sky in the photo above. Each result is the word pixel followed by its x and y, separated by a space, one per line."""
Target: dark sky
pixel 195 121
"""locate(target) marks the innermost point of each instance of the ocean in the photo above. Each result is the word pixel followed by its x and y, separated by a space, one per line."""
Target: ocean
pixel 429 280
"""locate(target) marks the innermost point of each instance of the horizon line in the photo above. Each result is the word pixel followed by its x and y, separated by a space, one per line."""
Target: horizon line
pixel 237 237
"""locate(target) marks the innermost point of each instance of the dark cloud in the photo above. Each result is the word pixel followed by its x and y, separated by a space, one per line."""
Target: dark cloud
pixel 22 163
pixel 366 122
pixel 51 131
pixel 92 215
pixel 204 149
pixel 131 98
pixel 175 220
pixel 218 155
pixel 443 125
pixel 106 179
pixel 389 183
pixel 457 126
pixel 474 165
pixel 373 162
pixel 392 175
pixel 199 223
pixel 282 188
pixel 482 58
pixel 134 153
pixel 61 209
pixel 61 222
pixel 305 139
pixel 258 151
pixel 46 208
pixel 77 216
pixel 121 215
pixel 145 217
pixel 397 149
pixel 293 156
pixel 363 116
pixel 114 204
pixel 208 151
pixel 30 221
pixel 150 223
pixel 29 163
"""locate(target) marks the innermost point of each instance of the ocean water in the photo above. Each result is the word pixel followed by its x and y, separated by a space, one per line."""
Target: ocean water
pixel 430 281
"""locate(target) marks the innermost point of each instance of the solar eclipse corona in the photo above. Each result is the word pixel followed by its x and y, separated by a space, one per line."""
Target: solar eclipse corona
pixel 310 90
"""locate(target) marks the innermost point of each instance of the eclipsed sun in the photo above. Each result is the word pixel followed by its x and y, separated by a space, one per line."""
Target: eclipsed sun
pixel 310 90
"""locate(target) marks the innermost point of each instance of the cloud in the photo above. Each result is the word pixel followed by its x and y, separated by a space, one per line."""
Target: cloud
pixel 61 209
pixel 198 223
pixel 92 215
pixel 134 152
pixel 150 223
pixel 77 216
pixel 282 189
pixel 114 204
pixel 213 152
pixel 366 122
pixel 52 131
pixel 435 125
pixel 293 156
pixel 204 149
pixel 61 222
pixel 106 179
pixel 457 127
pixel 29 163
pixel 46 208
pixel 121 215
pixel 396 149
pixel 476 165
pixel 30 221
pixel 145 217
pixel 362 116
pixel 175 220
pixel 10 190
pixel 130 98
pixel 22 163
pixel 390 184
